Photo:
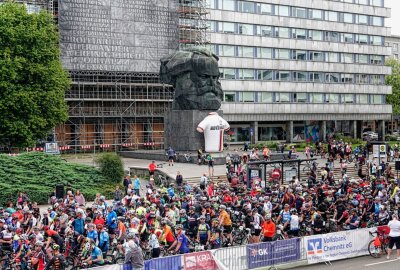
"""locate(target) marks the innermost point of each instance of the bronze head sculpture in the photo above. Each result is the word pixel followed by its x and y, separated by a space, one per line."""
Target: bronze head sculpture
pixel 195 76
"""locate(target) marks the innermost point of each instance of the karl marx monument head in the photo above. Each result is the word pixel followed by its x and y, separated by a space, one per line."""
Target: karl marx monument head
pixel 194 74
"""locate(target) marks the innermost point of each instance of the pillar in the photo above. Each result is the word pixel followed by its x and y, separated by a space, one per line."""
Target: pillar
pixel 323 130
pixel 359 128
pixel 381 130
pixel 289 132
pixel 254 133
pixel 354 129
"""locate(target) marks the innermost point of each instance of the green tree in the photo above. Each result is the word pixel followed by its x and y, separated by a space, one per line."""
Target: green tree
pixel 394 81
pixel 111 167
pixel 32 80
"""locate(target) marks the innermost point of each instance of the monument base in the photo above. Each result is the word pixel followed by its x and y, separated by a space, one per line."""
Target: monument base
pixel 180 129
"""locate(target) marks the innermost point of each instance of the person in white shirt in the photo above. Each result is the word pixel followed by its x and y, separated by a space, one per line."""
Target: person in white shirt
pixel 294 223
pixel 154 244
pixel 394 235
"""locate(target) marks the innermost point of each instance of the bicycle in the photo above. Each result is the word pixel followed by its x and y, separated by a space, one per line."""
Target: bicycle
pixel 185 158
pixel 379 245
pixel 310 166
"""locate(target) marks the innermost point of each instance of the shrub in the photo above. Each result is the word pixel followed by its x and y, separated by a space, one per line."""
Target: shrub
pixel 111 167
pixel 37 174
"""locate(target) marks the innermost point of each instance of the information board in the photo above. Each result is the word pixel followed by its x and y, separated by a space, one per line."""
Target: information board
pixel 117 35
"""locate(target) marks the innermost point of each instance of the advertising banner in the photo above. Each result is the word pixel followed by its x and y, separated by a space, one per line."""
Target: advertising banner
pixel 336 246
pixel 272 253
pixel 200 261
pixel 170 263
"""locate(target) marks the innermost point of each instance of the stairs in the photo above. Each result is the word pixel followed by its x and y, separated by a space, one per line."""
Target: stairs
pixel 196 180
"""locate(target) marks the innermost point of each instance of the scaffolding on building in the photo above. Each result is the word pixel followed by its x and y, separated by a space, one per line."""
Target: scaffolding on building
pixel 115 111
pixel 193 23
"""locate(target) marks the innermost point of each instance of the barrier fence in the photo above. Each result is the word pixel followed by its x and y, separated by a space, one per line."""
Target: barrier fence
pixel 308 250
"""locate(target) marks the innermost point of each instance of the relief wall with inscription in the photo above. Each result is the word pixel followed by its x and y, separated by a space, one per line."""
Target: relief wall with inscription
pixel 117 35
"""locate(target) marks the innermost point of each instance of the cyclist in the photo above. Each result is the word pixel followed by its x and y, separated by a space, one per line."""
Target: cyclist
pixel 226 222
pixel 167 235
pixel 203 232
pixel 58 261
pixel 181 243
pixel 215 238
pixel 103 238
pixel 37 260
pixel 94 254
pixel 268 229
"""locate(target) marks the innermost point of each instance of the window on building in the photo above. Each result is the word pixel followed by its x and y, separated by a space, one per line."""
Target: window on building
pixel 283 75
pixel 362 39
pixel 347 58
pixel 227 50
pixel 282 53
pixel 332 77
pixel 316 77
pixel 282 32
pixel 331 16
pixel 281 10
pixel 361 58
pixel 265 31
pixel 299 33
pixel 376 99
pixel 378 3
pixel 227 4
pixel 362 78
pixel 299 55
pixel 266 97
pixel 265 75
pixel 264 9
pixel 316 35
pixel 362 99
pixel 376 40
pixel 347 18
pixel 332 98
pixel 362 2
pixel 347 78
pixel 347 98
pixel 348 38
pixel 316 56
pixel 300 76
pixel 246 97
pixel 376 59
pixel 264 53
pixel 282 97
pixel 246 74
pixel 299 12
pixel 315 14
pixel 229 96
pixel 212 4
pixel 377 21
pixel 376 79
pixel 316 98
pixel 245 6
pixel 246 29
pixel 228 73
pixel 227 27
pixel 246 51
pixel 333 57
pixel 332 36
pixel 212 25
pixel 361 19
pixel 300 97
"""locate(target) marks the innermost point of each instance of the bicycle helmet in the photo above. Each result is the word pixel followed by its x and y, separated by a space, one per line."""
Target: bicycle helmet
pixel 55 247
pixel 39 244
pixel 182 211
pixel 179 227
pixel 24 237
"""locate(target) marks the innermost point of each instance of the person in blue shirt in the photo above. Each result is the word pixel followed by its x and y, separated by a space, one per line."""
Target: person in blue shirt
pixel 181 243
pixel 104 239
pixel 111 221
pixel 171 154
pixel 79 223
pixel 95 257
pixel 136 185
pixel 91 232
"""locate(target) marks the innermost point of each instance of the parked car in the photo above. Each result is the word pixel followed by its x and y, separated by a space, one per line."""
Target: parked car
pixel 370 136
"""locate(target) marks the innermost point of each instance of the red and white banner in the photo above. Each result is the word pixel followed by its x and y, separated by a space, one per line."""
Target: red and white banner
pixel 200 261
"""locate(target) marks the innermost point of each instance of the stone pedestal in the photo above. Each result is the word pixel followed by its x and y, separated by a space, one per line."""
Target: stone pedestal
pixel 180 129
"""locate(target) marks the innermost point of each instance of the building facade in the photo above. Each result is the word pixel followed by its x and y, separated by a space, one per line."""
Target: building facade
pixel 394 42
pixel 301 69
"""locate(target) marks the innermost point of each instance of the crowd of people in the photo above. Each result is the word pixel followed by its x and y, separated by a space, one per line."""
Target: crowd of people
pixel 140 223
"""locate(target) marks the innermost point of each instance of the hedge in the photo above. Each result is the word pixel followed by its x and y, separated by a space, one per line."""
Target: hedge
pixel 37 174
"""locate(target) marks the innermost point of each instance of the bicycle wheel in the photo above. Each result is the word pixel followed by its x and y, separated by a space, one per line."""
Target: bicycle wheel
pixel 374 251
pixel 119 260
pixel 306 169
